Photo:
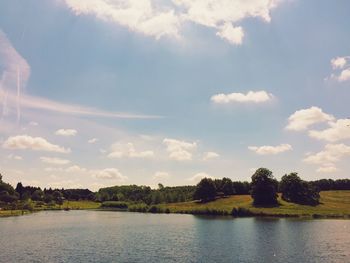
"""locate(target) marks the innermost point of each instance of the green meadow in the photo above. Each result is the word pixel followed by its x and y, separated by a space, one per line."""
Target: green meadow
pixel 332 204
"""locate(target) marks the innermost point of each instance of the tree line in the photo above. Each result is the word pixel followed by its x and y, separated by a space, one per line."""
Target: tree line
pixel 263 188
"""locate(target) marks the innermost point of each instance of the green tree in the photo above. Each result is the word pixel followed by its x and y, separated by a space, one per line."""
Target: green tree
pixel 205 190
pixel 38 195
pixel 264 188
pixel 295 190
pixel 227 186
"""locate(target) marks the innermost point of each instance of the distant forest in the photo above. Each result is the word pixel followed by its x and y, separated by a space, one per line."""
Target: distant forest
pixel 205 190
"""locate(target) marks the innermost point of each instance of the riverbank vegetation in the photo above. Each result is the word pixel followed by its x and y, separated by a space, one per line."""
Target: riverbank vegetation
pixel 263 196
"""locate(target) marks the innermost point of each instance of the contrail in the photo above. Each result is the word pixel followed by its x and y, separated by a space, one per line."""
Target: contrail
pixel 18 96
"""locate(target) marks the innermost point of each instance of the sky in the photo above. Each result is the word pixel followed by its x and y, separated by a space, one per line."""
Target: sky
pixel 95 93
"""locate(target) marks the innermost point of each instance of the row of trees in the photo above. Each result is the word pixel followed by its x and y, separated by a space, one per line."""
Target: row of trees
pixel 144 194
pixel 263 189
pixel 9 195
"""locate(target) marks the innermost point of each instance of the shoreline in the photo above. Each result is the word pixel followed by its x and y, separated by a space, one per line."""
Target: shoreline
pixel 333 204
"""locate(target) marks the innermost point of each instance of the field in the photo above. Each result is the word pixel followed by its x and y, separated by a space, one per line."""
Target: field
pixel 333 204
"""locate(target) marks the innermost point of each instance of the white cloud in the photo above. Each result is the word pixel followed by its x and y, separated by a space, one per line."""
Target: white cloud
pixel 303 119
pixel 93 140
pixel 179 150
pixel 266 150
pixel 341 69
pixel 344 75
pixel 32 143
pixel 66 132
pixel 109 173
pixel 161 175
pixel 55 161
pixel 210 155
pixel 136 15
pixel 199 176
pixel 327 169
pixel 166 18
pixel 75 169
pixel 249 97
pixel 128 151
pixel 332 153
pixel 339 62
pixel 35 102
pixel 338 130
pixel 234 35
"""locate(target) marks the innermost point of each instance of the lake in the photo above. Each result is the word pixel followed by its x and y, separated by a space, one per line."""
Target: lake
pixel 97 236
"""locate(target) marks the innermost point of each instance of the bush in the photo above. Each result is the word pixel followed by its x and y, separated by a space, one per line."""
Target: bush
pixel 28 206
pixel 241 212
pixel 143 208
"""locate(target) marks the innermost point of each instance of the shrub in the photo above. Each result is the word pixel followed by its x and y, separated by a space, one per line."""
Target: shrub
pixel 115 204
pixel 241 212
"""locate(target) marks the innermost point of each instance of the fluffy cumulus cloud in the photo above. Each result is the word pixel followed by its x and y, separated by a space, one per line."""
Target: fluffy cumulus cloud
pixel 303 119
pixel 249 97
pixel 338 62
pixel 179 150
pixel 331 154
pixel 267 150
pixel 210 156
pixel 166 18
pixel 199 176
pixel 341 68
pixel 66 132
pixel 338 130
pixel 109 173
pixel 33 143
pixel 119 150
pixel 232 34
pixel 54 160
pixel 161 175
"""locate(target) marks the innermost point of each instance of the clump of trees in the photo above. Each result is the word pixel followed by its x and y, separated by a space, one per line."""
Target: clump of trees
pixel 7 193
pixel 22 197
pixel 208 189
pixel 144 194
pixel 205 190
pixel 264 188
pixel 295 190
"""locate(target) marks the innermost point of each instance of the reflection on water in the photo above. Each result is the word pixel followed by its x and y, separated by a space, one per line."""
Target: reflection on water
pixel 91 236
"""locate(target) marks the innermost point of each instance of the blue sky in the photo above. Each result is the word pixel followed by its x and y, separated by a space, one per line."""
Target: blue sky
pixel 102 92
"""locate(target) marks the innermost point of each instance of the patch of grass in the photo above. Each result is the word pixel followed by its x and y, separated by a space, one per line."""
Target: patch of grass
pixel 332 204
pixel 5 213
pixel 76 205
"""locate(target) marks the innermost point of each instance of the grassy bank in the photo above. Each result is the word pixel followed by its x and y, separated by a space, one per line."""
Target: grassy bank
pixel 333 204
pixel 39 206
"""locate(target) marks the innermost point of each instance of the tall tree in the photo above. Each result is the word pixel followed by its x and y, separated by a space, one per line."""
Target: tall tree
pixel 264 188
pixel 205 190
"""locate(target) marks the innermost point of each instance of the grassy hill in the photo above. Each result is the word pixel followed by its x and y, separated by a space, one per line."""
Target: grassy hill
pixel 333 204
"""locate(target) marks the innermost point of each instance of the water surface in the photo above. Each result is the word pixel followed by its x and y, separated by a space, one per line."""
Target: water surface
pixel 96 236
